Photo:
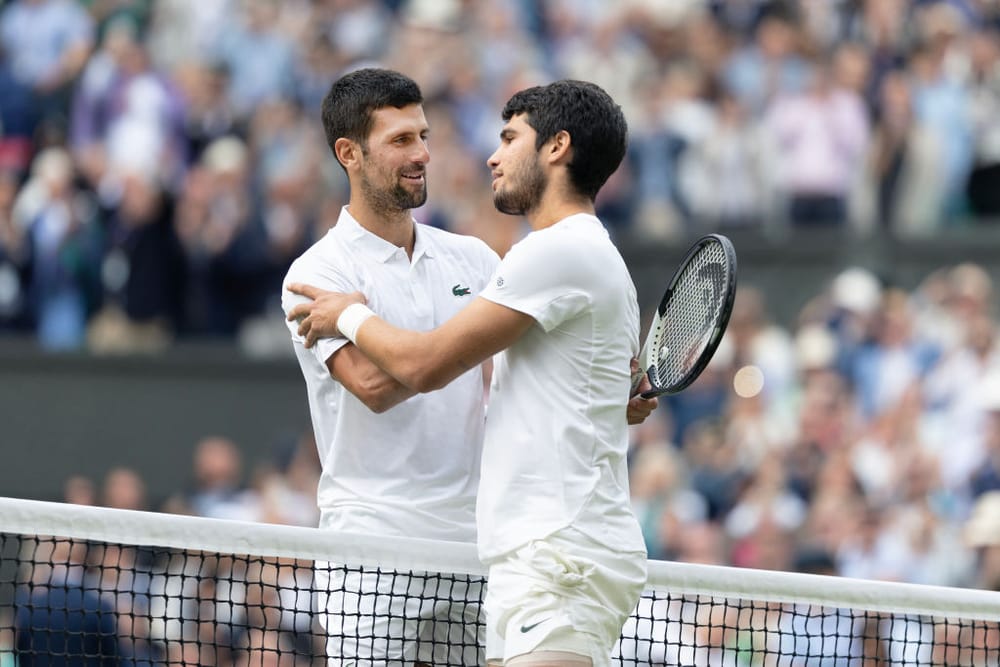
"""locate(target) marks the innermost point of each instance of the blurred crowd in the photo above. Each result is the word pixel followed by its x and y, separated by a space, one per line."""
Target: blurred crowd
pixel 863 442
pixel 143 606
pixel 162 162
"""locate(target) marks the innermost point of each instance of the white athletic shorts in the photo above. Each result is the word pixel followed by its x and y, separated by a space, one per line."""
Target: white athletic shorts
pixel 375 619
pixel 562 593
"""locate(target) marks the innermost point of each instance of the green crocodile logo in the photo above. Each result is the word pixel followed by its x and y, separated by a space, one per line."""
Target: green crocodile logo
pixel 458 290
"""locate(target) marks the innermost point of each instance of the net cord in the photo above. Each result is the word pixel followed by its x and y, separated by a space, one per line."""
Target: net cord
pixel 31 517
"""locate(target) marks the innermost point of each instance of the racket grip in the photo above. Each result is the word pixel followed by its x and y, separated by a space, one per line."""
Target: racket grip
pixel 636 381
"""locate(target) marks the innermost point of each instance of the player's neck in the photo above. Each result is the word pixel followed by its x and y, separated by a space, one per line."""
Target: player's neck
pixel 553 208
pixel 396 227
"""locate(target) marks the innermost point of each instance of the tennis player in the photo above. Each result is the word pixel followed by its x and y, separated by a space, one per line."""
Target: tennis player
pixel 565 553
pixel 393 463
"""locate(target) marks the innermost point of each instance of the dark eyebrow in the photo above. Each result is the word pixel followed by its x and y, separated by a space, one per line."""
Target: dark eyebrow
pixel 507 133
pixel 409 133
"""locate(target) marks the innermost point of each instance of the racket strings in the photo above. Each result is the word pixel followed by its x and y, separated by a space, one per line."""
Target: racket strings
pixel 688 324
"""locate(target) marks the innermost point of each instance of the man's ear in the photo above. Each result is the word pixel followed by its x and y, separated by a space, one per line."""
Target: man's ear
pixel 346 151
pixel 559 147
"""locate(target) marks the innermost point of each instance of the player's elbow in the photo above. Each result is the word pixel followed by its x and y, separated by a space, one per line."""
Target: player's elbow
pixel 423 379
pixel 379 394
pixel 380 402
pixel 418 381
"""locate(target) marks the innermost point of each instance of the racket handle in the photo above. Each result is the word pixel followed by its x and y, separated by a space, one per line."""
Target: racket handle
pixel 637 380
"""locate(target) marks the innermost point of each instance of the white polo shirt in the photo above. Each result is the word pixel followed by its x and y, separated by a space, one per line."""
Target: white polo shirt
pixel 414 469
pixel 556 433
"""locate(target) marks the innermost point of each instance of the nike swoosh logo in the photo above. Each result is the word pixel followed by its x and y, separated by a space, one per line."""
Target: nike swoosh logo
pixel 529 628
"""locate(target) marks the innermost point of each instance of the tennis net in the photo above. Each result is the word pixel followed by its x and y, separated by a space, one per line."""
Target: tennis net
pixel 95 586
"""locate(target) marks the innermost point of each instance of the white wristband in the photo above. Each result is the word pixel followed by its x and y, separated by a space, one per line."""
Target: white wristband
pixel 351 319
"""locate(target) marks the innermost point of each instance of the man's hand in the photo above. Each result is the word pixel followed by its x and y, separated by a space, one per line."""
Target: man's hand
pixel 318 318
pixel 639 408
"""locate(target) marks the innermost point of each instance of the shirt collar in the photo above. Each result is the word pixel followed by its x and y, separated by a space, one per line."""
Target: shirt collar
pixel 375 245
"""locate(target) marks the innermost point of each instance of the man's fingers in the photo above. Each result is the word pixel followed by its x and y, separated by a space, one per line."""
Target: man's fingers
pixel 299 311
pixel 304 326
pixel 305 290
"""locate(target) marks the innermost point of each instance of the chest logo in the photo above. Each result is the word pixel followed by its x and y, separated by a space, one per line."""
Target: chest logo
pixel 458 290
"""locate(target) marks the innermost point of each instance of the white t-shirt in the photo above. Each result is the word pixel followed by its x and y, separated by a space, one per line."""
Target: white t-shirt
pixel 412 470
pixel 556 433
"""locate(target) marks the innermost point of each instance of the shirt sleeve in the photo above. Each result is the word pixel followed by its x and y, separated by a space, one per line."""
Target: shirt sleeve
pixel 324 347
pixel 540 279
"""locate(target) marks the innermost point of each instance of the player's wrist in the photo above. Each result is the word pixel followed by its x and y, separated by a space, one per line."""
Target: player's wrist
pixel 351 319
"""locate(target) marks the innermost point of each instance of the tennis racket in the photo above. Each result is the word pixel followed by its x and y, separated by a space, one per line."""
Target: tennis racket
pixel 691 318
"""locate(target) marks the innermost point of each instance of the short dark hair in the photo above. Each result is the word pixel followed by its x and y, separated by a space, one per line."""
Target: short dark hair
pixel 595 123
pixel 349 105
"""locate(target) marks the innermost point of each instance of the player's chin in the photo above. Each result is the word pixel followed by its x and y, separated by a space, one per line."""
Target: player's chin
pixel 408 198
pixel 506 204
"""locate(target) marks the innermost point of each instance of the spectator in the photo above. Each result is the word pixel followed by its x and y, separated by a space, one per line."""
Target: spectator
pixel 59 223
pixel 127 117
pixel 821 134
pixel 219 492
pixel 982 533
pixel 728 177
pixel 18 118
pixel 144 272
pixel 124 489
pixel 984 180
pixel 79 490
pixel 14 256
pixel 209 116
pixel 985 478
pixel 769 66
pixel 893 359
pixel 48 43
pixel 258 57
pixel 224 241
pixel 903 162
pixel 664 503
pixel 185 31
pixel 942 101
pixel 59 618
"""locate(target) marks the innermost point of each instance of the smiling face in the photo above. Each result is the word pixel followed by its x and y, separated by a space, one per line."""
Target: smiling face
pixel 518 178
pixel 393 168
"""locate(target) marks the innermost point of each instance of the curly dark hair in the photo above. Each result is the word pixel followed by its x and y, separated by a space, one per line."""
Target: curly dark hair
pixel 595 123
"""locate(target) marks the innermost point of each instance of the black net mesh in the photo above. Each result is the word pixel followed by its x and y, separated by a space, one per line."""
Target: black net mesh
pixel 72 602
pixel 710 631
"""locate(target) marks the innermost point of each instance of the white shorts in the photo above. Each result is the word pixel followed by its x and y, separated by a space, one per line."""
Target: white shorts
pixel 384 618
pixel 562 593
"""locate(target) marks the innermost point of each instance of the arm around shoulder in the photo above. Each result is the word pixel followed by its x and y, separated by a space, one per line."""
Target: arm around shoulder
pixel 428 360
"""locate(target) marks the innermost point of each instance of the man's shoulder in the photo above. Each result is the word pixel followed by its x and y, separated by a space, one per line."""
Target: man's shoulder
pixel 325 252
pixel 460 243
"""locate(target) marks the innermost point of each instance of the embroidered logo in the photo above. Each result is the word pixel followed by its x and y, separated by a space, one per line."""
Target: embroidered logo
pixel 458 290
pixel 528 628
pixel 500 281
